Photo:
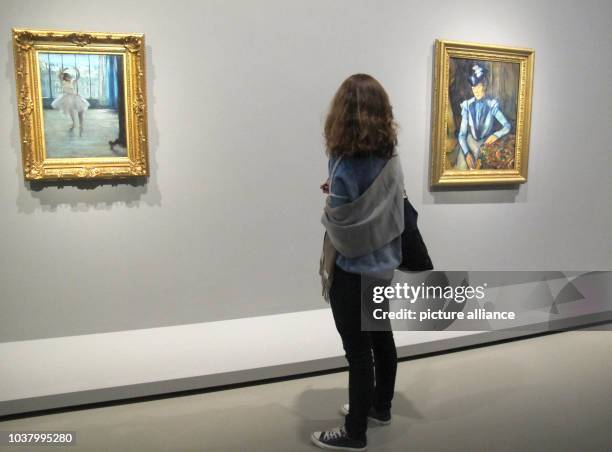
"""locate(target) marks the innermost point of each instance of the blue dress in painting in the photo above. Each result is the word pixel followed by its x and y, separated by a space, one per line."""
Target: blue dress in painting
pixel 478 118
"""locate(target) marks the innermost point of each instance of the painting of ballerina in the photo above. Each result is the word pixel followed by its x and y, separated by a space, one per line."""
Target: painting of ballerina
pixel 83 104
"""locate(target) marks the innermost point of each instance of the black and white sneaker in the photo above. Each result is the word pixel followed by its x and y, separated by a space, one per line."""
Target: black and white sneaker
pixel 337 439
pixel 375 416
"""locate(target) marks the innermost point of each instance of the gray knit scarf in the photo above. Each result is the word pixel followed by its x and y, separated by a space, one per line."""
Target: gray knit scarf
pixel 362 226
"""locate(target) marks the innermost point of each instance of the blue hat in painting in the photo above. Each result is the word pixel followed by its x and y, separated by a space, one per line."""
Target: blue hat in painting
pixel 478 74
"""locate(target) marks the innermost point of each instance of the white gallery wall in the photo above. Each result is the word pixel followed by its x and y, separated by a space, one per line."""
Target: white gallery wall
pixel 228 225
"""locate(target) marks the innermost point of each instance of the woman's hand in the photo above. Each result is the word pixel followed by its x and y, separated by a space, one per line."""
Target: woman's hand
pixel 325 187
pixel 469 159
pixel 492 139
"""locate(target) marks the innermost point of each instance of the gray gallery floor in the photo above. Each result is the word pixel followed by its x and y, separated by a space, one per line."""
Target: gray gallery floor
pixel 549 393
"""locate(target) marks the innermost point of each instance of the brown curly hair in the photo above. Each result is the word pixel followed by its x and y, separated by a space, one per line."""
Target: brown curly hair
pixel 360 119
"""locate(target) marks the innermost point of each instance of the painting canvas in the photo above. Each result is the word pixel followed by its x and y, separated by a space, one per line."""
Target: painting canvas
pixel 482 111
pixel 81 104
pixel 483 100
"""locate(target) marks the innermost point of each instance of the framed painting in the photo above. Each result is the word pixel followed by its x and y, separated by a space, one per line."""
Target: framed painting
pixel 82 105
pixel 481 114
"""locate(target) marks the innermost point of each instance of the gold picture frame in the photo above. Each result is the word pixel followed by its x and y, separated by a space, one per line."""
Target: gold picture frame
pixel 112 74
pixel 499 79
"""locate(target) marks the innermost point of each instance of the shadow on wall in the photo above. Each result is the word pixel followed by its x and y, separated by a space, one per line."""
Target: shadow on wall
pixel 483 194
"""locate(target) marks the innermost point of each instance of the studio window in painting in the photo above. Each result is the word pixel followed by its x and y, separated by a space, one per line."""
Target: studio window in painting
pixel 82 104
pixel 481 114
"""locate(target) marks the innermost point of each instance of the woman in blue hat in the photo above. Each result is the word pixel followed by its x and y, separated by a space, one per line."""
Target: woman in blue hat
pixel 477 120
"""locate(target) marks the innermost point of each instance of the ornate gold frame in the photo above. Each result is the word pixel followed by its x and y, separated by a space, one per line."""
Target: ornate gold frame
pixel 26 44
pixel 444 50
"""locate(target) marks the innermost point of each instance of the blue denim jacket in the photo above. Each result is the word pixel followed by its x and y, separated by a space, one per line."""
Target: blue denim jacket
pixel 351 178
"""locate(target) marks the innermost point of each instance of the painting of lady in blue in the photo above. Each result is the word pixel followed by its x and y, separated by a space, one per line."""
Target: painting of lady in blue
pixel 483 138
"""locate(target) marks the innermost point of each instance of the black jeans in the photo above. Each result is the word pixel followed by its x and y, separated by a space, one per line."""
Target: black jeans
pixel 364 391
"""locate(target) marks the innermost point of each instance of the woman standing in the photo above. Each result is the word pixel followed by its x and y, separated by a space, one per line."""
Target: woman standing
pixel 364 220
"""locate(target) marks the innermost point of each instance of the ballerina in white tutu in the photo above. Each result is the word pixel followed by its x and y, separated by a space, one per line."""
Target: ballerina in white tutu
pixel 70 102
